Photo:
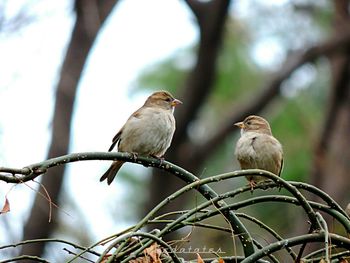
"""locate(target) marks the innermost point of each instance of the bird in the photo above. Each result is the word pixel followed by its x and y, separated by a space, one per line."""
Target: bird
pixel 257 148
pixel 147 132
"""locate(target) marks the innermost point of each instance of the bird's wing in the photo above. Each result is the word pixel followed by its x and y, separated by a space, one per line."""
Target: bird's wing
pixel 268 147
pixel 115 140
pixel 279 173
pixel 137 114
pixel 277 155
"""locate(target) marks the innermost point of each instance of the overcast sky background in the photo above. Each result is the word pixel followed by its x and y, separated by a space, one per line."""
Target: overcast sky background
pixel 136 35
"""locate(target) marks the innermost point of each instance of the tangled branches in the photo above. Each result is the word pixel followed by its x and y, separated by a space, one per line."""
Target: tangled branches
pixel 135 244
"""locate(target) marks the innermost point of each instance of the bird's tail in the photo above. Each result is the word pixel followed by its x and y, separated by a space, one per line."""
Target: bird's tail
pixel 111 172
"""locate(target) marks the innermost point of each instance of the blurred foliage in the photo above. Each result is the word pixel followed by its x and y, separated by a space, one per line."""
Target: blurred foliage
pixel 295 118
pixel 166 74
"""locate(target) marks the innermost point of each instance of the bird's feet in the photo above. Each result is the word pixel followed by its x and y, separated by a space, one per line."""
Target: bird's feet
pixel 161 159
pixel 134 156
pixel 252 184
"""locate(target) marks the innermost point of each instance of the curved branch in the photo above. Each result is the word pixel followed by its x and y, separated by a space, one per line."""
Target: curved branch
pixel 321 194
pixel 195 221
pixel 201 186
pixel 333 256
pixel 25 258
pixel 222 206
pixel 206 191
pixel 32 171
pixel 256 172
pixel 141 234
pixel 285 199
pixel 269 230
pixel 310 238
pixel 47 240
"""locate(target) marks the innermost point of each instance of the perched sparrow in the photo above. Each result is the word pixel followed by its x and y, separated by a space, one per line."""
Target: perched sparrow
pixel 147 132
pixel 257 148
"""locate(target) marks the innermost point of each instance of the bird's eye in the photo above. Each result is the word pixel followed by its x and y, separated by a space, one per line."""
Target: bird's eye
pixel 168 99
pixel 249 122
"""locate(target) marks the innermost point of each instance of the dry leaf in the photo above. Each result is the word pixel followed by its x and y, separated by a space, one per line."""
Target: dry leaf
pixel 154 252
pixel 105 258
pixel 199 259
pixel 6 207
pixel 151 255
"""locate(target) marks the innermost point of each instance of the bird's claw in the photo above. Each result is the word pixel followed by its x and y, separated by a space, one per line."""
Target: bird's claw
pixel 252 184
pixel 161 159
pixel 134 156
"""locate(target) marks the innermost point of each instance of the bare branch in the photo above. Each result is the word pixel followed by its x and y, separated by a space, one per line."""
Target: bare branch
pixel 32 171
pixel 124 250
pixel 87 25
pixel 25 257
pixel 200 81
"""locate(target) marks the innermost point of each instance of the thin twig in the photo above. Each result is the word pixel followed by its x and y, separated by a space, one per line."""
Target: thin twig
pixel 54 240
pixel 142 234
pixel 342 242
pixel 72 253
pixel 25 257
pixel 326 234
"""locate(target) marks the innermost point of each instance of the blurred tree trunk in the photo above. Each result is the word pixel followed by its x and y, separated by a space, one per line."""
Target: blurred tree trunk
pixel 90 16
pixel 331 164
pixel 211 17
pixel 332 154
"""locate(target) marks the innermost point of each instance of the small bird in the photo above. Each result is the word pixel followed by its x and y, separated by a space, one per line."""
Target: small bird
pixel 257 148
pixel 147 132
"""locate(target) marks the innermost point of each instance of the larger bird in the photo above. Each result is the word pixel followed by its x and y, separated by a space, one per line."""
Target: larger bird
pixel 257 148
pixel 147 132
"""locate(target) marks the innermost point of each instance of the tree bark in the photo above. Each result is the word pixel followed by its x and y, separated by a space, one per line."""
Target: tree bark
pixel 192 157
pixel 199 85
pixel 211 17
pixel 90 16
pixel 332 153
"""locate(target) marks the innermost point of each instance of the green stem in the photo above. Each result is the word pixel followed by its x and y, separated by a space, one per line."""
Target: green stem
pixel 26 242
pixel 319 193
pixel 294 241
pixel 332 257
pixel 326 234
pixel 286 199
pixel 25 257
pixel 32 171
pixel 142 234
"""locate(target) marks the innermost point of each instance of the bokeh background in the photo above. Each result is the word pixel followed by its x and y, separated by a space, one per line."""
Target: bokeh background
pixel 73 71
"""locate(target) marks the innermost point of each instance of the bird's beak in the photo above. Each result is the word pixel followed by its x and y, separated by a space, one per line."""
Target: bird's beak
pixel 239 124
pixel 176 102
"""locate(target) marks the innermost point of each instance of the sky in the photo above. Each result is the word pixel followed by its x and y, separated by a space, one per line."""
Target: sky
pixel 29 66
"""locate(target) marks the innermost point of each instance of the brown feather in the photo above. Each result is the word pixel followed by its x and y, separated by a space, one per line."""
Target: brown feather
pixel 115 140
pixel 257 148
pixel 148 131
pixel 111 172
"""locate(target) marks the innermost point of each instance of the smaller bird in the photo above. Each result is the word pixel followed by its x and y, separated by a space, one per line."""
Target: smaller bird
pixel 147 132
pixel 257 148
